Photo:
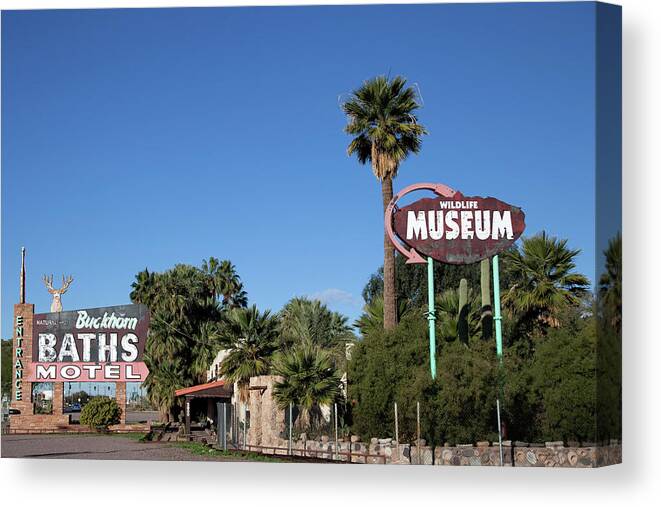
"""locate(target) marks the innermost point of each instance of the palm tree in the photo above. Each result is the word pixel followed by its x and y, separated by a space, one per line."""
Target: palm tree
pixel 184 331
pixel 610 283
pixel 381 117
pixel 144 288
pixel 308 381
pixel 251 337
pixel 372 318
pixel 544 279
pixel 223 281
pixel 307 320
pixel 230 286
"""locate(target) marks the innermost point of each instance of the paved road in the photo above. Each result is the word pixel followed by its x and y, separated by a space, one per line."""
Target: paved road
pixel 95 447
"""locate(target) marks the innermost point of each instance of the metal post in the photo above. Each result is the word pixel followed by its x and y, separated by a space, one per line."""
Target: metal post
pixel 291 423
pixel 431 316
pixel 418 430
pixel 396 425
pixel 22 294
pixel 336 435
pixel 245 426
pixel 219 425
pixel 497 317
pixel 187 417
pixel 224 426
pixel 499 349
pixel 500 436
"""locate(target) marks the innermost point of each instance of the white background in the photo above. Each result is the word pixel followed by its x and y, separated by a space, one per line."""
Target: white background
pixel 636 482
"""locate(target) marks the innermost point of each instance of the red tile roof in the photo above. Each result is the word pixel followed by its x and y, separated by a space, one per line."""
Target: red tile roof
pixel 201 387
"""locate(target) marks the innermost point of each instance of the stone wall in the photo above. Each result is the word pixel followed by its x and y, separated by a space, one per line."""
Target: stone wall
pixel 267 421
pixel 386 451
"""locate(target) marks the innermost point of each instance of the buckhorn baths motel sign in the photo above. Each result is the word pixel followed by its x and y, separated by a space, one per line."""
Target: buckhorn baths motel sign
pixel 91 345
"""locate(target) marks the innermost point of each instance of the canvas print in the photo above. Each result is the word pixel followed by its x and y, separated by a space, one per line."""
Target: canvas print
pixel 375 234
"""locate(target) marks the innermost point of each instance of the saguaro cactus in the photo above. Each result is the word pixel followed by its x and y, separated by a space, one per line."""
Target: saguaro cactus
pixel 462 317
pixel 486 318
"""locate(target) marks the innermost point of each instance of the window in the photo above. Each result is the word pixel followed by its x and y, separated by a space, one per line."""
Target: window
pixel 42 397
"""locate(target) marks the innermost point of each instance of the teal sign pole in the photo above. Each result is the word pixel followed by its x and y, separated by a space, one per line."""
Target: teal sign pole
pixel 431 316
pixel 497 318
pixel 499 348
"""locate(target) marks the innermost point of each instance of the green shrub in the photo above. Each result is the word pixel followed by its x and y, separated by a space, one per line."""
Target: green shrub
pixel 100 412
pixel 393 366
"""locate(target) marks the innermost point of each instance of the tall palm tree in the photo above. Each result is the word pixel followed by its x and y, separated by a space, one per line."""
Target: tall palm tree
pixel 307 320
pixel 230 285
pixel 223 281
pixel 381 117
pixel 610 283
pixel 144 288
pixel 544 279
pixel 251 338
pixel 308 381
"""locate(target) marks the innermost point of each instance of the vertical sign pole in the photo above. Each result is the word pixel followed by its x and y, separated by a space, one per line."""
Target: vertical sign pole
pixel 396 425
pixel 417 413
pixel 336 435
pixel 22 295
pixel 431 316
pixel 219 425
pixel 224 426
pixel 291 411
pixel 499 347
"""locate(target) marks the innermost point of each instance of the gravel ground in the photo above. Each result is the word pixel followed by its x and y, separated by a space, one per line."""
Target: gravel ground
pixel 96 447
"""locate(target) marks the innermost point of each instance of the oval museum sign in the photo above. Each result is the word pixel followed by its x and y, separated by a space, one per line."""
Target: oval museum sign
pixel 453 228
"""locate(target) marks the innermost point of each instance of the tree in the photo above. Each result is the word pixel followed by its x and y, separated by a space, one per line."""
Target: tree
pixel 251 337
pixel 309 381
pixel 610 283
pixel 381 117
pixel 7 363
pixel 184 331
pixel 309 321
pixel 544 280
pixel 411 281
pixel 371 320
pixel 224 282
pixel 390 366
pixel 609 357
pixel 564 384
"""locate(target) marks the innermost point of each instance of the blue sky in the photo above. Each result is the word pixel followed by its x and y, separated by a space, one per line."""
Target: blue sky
pixel 145 138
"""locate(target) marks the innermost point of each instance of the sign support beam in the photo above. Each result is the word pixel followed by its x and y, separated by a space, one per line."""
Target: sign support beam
pixel 431 316
pixel 499 348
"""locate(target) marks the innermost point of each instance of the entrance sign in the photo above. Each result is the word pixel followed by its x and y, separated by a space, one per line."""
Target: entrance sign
pixel 453 228
pixel 91 345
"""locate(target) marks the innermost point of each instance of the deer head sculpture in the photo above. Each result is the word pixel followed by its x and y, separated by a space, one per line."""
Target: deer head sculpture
pixel 56 305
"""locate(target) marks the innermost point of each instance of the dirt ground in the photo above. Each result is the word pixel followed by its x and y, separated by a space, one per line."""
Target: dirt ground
pixel 97 447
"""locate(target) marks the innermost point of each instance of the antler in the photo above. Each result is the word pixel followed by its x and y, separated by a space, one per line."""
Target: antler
pixel 48 281
pixel 65 283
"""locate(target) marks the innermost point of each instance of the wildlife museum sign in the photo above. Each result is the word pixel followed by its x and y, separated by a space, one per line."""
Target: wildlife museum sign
pixel 452 228
pixel 91 345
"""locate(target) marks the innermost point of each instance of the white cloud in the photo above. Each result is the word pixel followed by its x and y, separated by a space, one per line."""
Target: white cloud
pixel 334 296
